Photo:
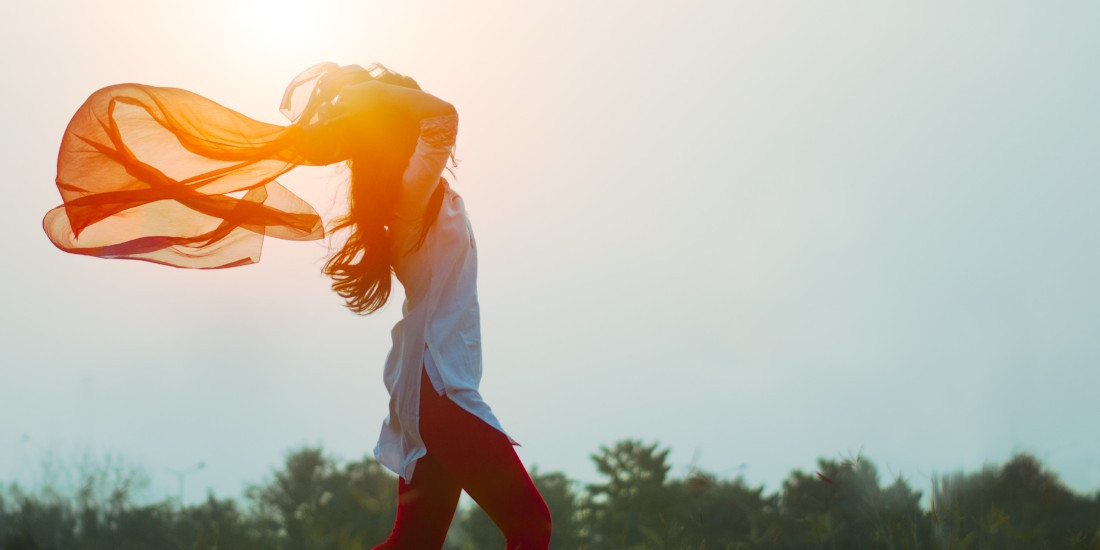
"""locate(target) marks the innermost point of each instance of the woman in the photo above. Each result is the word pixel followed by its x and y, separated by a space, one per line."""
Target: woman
pixel 148 173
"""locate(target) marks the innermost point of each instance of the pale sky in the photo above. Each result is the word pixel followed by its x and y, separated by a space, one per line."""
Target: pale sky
pixel 764 231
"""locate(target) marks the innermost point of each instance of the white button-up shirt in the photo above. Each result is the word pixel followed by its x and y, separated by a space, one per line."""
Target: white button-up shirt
pixel 440 326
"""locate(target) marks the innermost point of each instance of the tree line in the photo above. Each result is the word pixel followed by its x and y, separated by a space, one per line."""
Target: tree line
pixel 316 502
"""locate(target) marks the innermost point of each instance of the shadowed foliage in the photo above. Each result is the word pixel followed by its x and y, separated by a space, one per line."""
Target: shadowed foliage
pixel 315 502
pixel 1019 505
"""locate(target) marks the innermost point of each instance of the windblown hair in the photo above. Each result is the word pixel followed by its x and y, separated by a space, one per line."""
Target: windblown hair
pixel 361 270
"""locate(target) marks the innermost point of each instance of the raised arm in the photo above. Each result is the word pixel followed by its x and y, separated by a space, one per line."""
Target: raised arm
pixel 374 100
pixel 367 115
pixel 425 168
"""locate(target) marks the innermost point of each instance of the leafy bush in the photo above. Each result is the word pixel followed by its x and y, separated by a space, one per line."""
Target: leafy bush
pixel 315 502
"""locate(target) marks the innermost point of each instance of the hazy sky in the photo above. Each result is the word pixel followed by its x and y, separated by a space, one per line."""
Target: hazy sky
pixel 763 231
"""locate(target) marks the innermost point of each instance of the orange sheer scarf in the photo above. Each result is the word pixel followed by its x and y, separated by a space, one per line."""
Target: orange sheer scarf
pixel 167 176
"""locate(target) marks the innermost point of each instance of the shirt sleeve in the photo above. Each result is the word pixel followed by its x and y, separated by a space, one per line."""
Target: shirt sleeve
pixel 433 148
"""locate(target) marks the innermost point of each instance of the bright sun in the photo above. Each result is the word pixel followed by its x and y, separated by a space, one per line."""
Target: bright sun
pixel 290 20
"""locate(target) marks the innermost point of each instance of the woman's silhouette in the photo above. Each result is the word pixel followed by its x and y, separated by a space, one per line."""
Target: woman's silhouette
pixel 149 173
pixel 404 215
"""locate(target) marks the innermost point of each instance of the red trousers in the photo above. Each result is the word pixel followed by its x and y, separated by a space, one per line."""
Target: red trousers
pixel 465 453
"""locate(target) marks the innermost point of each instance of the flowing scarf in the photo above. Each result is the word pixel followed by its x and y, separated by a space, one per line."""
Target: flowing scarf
pixel 167 176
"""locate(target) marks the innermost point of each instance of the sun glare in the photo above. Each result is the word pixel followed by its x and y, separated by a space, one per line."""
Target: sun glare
pixel 282 20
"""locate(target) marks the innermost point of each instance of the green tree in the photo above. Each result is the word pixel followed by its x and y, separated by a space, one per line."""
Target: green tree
pixel 632 509
pixel 557 491
pixel 213 524
pixel 105 509
pixel 842 506
pixel 715 513
pixel 316 505
pixel 37 521
pixel 358 505
pixel 1019 505
pixel 291 497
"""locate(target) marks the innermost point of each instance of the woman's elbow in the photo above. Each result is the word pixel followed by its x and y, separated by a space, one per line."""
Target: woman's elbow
pixel 441 109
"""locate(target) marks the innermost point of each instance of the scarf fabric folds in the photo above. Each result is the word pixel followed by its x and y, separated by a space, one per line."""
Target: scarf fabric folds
pixel 168 176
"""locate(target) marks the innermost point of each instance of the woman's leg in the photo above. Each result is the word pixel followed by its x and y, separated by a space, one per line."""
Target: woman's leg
pixel 481 459
pixel 425 507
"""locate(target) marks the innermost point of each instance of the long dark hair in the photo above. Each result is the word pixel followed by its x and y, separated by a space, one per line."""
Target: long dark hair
pixel 361 270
